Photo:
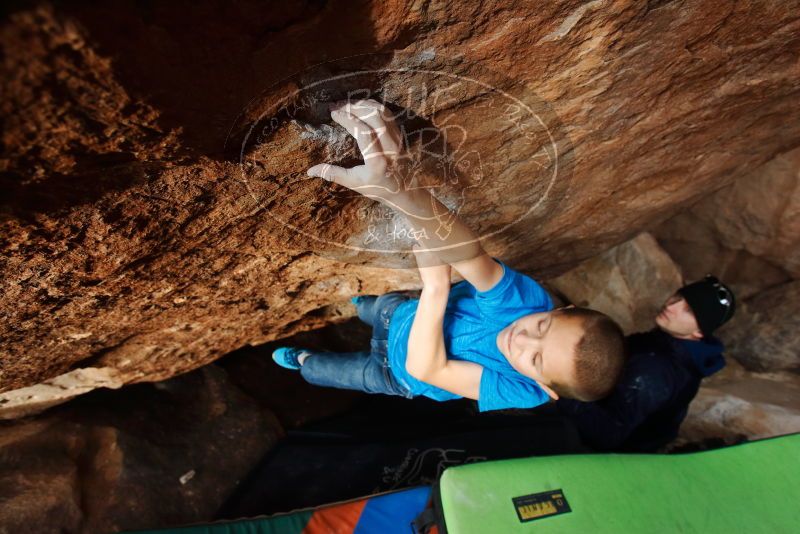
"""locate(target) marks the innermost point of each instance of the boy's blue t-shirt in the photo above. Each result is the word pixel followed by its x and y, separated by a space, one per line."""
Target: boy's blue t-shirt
pixel 472 321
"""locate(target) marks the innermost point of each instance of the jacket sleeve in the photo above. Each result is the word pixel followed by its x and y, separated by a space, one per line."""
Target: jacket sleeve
pixel 606 425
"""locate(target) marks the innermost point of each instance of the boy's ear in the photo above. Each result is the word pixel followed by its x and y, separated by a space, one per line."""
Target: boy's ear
pixel 697 335
pixel 547 389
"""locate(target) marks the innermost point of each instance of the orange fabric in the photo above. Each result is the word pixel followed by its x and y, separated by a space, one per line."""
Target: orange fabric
pixel 341 519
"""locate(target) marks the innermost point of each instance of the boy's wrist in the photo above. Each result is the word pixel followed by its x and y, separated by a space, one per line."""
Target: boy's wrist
pixel 436 290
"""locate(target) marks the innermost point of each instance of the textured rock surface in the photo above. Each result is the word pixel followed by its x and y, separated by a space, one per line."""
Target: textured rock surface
pixel 736 403
pixel 33 399
pixel 747 233
pixel 629 283
pixel 131 239
pixel 152 455
pixel 765 333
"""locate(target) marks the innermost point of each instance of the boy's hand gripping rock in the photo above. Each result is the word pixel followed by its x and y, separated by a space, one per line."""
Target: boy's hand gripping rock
pixel 380 142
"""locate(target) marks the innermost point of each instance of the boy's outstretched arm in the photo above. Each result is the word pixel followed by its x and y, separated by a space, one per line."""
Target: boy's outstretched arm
pixel 427 357
pixel 380 143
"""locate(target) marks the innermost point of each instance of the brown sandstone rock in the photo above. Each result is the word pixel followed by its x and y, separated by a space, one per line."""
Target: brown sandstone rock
pixel 748 233
pixel 133 240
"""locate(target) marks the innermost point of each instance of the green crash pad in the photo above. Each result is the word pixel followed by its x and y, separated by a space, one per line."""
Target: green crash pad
pixel 752 487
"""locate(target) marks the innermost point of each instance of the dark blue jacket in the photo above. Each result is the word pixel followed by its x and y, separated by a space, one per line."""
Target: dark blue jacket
pixel 645 410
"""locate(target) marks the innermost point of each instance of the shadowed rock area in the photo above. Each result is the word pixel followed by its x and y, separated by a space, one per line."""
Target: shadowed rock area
pixel 153 454
pixel 134 242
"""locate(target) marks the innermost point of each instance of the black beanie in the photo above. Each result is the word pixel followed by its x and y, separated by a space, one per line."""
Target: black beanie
pixel 711 301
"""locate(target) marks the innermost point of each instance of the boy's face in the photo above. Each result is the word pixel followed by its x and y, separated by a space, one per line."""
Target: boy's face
pixel 542 346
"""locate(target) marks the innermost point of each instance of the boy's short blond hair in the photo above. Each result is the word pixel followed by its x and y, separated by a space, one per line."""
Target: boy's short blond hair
pixel 599 356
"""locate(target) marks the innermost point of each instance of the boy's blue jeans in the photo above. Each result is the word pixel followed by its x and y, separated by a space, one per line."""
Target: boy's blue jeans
pixel 365 370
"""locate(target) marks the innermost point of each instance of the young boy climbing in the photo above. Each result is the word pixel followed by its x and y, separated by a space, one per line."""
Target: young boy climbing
pixel 493 337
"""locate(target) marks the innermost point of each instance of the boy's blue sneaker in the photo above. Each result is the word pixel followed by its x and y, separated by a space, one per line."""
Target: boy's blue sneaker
pixel 287 357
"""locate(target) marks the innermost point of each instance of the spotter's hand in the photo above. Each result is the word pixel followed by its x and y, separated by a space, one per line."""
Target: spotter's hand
pixel 379 141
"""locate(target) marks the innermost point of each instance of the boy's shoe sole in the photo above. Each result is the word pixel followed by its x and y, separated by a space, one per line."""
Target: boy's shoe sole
pixel 287 357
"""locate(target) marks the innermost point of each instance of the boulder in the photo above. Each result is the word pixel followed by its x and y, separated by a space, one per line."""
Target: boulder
pixel 747 233
pixel 629 283
pixel 155 213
